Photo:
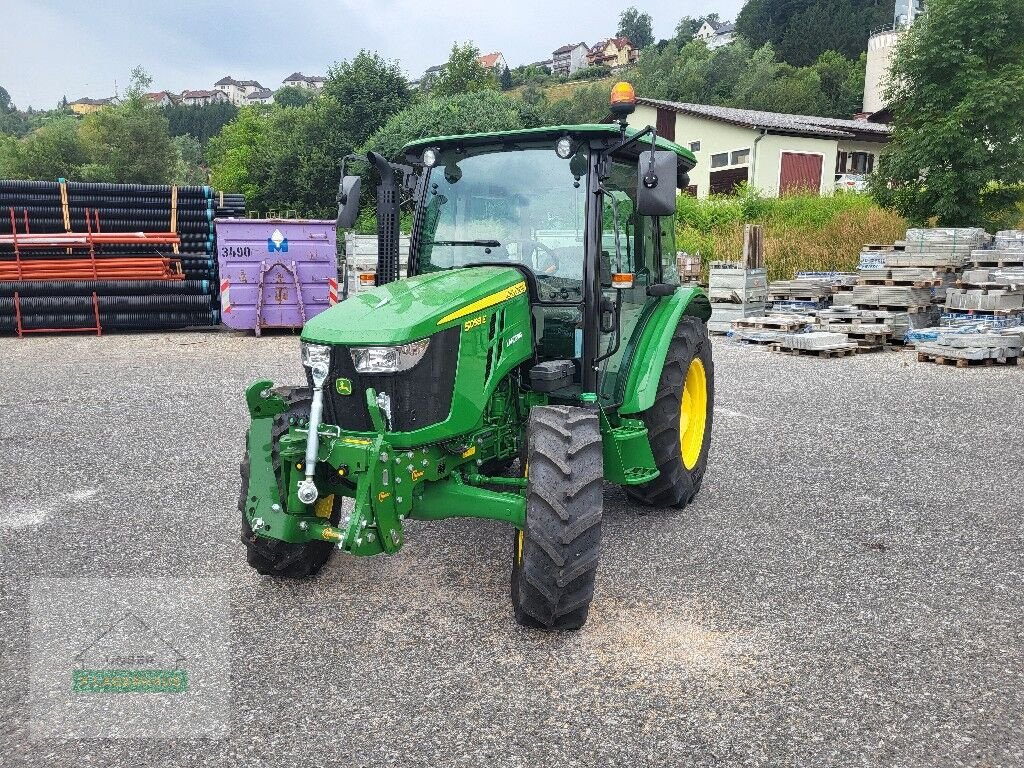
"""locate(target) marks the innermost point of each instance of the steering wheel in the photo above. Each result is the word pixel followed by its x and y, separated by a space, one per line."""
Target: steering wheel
pixel 550 267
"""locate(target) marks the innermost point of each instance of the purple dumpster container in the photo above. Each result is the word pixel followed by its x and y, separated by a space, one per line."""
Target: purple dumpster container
pixel 275 273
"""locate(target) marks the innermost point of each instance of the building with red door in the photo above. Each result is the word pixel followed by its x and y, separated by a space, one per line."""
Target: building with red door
pixel 774 152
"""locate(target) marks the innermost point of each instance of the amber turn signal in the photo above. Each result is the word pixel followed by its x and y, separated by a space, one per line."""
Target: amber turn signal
pixel 622 280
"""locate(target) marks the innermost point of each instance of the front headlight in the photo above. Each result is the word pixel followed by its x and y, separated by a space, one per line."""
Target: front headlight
pixel 389 359
pixel 315 353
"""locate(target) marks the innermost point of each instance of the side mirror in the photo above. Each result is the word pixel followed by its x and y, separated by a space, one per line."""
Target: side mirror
pixel 656 183
pixel 348 201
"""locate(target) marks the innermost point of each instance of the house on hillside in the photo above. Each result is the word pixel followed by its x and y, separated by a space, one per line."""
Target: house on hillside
pixel 774 152
pixel 202 98
pixel 160 98
pixel 85 106
pixel 614 52
pixel 716 34
pixel 493 61
pixel 236 90
pixel 569 58
pixel 299 80
pixel 262 96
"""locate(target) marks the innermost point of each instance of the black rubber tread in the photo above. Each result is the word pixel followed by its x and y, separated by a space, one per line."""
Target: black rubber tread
pixel 271 557
pixel 677 486
pixel 553 584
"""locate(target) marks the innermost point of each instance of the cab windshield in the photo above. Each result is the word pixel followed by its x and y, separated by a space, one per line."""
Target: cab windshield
pixel 521 206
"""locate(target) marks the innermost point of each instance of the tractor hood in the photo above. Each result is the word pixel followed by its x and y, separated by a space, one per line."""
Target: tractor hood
pixel 414 308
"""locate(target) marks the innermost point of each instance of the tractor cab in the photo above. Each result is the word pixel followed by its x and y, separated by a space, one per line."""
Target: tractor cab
pixel 569 208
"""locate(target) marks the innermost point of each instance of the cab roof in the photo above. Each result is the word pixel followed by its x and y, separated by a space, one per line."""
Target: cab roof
pixel 551 133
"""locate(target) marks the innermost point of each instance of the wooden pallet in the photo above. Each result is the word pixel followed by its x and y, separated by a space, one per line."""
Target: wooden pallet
pixel 900 282
pixel 981 263
pixel 843 351
pixel 962 362
pixel 771 323
pixel 985 312
pixel 895 308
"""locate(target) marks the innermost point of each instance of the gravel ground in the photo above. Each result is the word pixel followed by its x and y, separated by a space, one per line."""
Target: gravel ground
pixel 846 591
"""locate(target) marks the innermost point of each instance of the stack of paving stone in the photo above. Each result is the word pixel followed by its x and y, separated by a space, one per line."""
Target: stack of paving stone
pixel 995 282
pixel 801 295
pixel 912 276
pixel 817 343
pixel 736 291
pixel 968 349
pixel 870 328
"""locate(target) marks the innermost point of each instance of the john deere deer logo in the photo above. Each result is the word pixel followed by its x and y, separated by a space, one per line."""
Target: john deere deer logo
pixel 343 386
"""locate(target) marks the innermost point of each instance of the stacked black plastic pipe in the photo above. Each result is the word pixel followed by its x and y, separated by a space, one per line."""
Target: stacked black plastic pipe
pixel 122 304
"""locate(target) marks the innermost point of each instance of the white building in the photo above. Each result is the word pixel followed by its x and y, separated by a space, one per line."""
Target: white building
pixel 202 98
pixel 716 34
pixel 236 90
pixel 774 152
pixel 494 61
pixel 881 46
pixel 299 80
pixel 569 58
pixel 262 96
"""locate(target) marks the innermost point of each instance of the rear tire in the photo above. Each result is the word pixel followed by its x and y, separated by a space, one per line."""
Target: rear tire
pixel 554 560
pixel 271 557
pixel 678 484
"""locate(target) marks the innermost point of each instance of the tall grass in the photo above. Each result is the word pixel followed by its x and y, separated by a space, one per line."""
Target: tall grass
pixel 803 233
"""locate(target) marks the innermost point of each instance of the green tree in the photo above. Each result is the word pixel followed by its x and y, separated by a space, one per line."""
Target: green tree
pixel 190 166
pixel 130 142
pixel 842 83
pixel 292 96
pixel 957 98
pixel 801 30
pixel 202 122
pixel 11 121
pixel 239 157
pixel 446 115
pixel 49 153
pixel 365 92
pixel 636 26
pixel 463 73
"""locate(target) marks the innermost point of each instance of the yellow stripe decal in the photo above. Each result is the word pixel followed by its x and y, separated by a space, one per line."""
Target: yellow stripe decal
pixel 487 301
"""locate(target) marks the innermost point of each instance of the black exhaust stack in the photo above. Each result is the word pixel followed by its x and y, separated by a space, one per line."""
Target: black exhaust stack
pixel 388 263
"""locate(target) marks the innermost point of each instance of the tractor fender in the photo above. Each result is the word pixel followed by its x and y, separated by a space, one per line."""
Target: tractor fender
pixel 652 346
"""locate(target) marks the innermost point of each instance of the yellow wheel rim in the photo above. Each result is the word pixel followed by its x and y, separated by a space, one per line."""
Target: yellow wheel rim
pixel 693 413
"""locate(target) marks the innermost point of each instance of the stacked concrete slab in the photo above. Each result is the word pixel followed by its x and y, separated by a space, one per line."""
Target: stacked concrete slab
pixel 818 343
pixel 995 281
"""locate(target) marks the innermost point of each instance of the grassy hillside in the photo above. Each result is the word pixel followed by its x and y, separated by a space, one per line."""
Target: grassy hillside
pixel 802 232
pixel 562 91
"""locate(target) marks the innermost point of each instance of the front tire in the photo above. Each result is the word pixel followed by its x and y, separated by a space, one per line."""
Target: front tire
pixel 679 422
pixel 554 560
pixel 271 557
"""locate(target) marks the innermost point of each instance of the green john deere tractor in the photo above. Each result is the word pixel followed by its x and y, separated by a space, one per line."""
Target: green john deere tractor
pixel 541 320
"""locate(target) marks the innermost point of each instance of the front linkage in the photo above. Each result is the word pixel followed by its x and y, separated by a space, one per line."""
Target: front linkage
pixel 388 483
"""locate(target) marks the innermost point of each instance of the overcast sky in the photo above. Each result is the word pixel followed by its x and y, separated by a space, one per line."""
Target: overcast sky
pixel 55 48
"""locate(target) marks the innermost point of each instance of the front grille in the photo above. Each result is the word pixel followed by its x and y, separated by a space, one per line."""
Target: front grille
pixel 419 397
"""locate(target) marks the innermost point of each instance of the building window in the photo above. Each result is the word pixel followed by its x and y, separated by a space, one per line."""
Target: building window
pixel 720 161
pixel 859 162
pixel 695 146
pixel 741 157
